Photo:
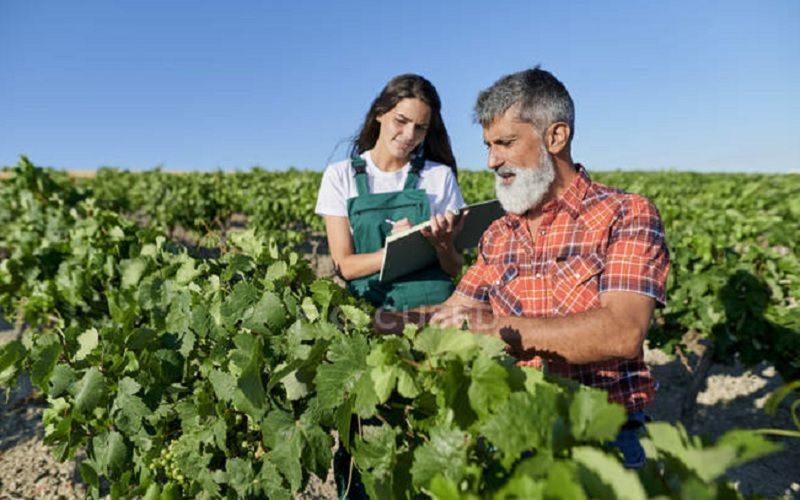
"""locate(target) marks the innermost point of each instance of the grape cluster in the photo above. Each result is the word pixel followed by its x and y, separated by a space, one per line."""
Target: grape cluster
pixel 165 465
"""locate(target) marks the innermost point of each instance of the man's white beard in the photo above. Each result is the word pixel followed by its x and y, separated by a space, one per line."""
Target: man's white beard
pixel 529 186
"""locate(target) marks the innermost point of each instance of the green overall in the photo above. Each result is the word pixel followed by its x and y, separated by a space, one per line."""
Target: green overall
pixel 369 215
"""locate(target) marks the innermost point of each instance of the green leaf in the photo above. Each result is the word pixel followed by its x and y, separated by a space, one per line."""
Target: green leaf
pixel 295 389
pixel 202 322
pixel 749 445
pixel 376 450
pixel 454 386
pixel 338 379
pixel 406 385
pixel 442 488
pixel 520 486
pixel 89 475
pixel 322 292
pixel 89 391
pixel 10 356
pixel 171 491
pixel 268 311
pixel 465 345
pixel 531 417
pixel 128 386
pixel 130 410
pixel 238 265
pixel 249 396
pixel 488 388
pixel 122 307
pixel 223 383
pixel 376 456
pixel 87 340
pixel 240 475
pixel 366 397
pixel 45 355
pixel 153 492
pixel 781 393
pixel 593 418
pixel 187 272
pixel 708 463
pixel 271 482
pixel 445 453
pixel 604 477
pixel 286 446
pixel 132 272
pixel 276 271
pixel 317 445
pixel 110 452
pixel 563 482
pixel 180 313
pixel 310 309
pixel 384 379
pixel 248 242
pixel 242 298
pixel 357 317
pixel 62 377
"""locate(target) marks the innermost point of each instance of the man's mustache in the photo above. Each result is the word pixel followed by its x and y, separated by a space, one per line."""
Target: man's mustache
pixel 507 169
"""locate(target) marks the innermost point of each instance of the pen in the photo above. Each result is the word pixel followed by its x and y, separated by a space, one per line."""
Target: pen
pixel 390 222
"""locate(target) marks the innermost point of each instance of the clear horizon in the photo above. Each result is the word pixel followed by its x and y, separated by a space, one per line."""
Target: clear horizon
pixel 203 86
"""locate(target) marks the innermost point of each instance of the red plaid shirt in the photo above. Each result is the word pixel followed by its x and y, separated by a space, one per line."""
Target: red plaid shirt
pixel 592 240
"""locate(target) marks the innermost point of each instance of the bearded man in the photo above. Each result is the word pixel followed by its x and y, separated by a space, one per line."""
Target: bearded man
pixel 571 274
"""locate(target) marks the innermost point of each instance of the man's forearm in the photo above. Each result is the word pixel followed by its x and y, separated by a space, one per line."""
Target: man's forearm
pixel 586 337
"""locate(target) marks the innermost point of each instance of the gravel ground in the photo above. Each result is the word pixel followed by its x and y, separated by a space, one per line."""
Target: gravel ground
pixel 728 396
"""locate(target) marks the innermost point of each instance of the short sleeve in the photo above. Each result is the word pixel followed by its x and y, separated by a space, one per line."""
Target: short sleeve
pixel 637 258
pixel 473 284
pixel 452 199
pixel 332 198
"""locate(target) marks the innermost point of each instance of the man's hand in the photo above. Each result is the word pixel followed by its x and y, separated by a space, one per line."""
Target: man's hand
pixel 393 322
pixel 477 319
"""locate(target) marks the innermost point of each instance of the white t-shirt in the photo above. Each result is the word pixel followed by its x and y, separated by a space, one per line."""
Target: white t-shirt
pixel 339 184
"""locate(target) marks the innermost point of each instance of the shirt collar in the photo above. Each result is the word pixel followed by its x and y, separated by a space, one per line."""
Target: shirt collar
pixel 571 200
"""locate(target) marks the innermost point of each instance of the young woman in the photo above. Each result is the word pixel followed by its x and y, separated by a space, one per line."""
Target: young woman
pixel 401 172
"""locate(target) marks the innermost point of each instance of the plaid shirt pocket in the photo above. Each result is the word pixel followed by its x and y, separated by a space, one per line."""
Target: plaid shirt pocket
pixel 500 291
pixel 575 282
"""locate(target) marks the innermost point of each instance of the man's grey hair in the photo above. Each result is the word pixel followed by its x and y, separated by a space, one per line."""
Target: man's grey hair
pixel 542 100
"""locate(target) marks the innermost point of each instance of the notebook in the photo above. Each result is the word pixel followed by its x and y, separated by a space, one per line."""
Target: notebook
pixel 409 251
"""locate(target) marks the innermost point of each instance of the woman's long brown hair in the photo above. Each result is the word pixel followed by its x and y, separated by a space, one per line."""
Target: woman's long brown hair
pixel 436 144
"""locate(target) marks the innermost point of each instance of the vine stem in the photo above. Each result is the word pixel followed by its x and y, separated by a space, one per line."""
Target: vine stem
pixel 779 432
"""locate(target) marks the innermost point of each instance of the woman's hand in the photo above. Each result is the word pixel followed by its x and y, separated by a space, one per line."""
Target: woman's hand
pixel 441 234
pixel 401 225
pixel 443 230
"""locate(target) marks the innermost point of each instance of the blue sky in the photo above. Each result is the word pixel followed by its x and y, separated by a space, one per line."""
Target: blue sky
pixel 200 85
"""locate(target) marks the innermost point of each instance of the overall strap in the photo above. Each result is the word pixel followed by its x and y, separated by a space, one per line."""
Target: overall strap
pixel 417 163
pixel 360 166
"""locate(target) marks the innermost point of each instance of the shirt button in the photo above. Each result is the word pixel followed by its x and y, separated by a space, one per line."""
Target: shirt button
pixel 538 275
pixel 576 275
pixel 543 232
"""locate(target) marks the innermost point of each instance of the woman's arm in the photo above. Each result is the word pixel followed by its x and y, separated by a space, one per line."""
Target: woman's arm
pixel 348 264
